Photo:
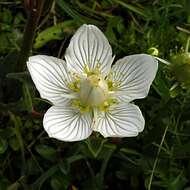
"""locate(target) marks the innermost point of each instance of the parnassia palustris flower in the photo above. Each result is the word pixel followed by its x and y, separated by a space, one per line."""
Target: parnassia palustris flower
pixel 87 93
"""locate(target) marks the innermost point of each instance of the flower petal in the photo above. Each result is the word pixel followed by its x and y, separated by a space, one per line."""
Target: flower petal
pixel 89 47
pixel 67 124
pixel 50 77
pixel 134 75
pixel 122 120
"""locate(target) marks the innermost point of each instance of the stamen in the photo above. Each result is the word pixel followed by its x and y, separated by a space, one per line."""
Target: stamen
pixel 82 108
pixel 91 91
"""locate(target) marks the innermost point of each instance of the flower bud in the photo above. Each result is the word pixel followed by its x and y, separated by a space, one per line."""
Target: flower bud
pixel 153 51
pixel 180 67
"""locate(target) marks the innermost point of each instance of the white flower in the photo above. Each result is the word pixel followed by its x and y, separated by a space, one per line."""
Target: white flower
pixel 87 94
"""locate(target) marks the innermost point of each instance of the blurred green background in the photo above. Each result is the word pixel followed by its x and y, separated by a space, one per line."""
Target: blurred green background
pixel 158 159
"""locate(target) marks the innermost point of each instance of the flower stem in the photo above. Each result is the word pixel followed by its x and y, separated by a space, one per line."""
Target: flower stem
pixel 29 32
pixel 187 44
pixel 157 157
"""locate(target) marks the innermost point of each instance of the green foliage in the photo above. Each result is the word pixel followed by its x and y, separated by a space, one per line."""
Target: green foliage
pixel 57 32
pixel 30 160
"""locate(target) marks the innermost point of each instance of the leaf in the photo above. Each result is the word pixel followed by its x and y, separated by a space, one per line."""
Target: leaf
pixel 111 25
pixel 39 182
pixel 3 145
pixel 133 8
pixel 95 145
pixel 177 182
pixel 75 158
pixel 14 144
pixel 46 152
pixel 15 107
pixel 33 167
pixel 161 86
pixel 23 77
pixel 130 151
pixel 69 10
pixel 65 164
pixel 6 16
pixel 17 122
pixel 182 149
pixel 55 184
pixel 6 133
pixel 60 181
pixel 14 186
pixel 17 184
pixel 4 183
pixel 7 65
pixel 79 18
pixel 27 99
pixel 101 174
pixel 57 32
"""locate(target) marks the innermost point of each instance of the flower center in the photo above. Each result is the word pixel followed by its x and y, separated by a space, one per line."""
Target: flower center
pixel 93 90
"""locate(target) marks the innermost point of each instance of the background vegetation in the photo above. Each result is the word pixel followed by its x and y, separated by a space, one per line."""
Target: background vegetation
pixel 158 159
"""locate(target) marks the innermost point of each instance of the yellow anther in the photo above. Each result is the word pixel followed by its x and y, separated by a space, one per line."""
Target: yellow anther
pixel 82 108
pixel 75 86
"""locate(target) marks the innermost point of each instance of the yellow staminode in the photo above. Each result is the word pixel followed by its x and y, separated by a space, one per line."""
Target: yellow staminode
pixel 92 89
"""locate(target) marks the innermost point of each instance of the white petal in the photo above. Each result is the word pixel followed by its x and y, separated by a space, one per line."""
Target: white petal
pixel 89 47
pixel 67 124
pixel 134 75
pixel 122 120
pixel 51 77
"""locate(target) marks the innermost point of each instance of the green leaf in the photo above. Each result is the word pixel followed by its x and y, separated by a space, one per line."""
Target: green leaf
pixel 130 151
pixel 27 99
pixel 46 152
pixel 75 158
pixel 133 8
pixel 17 184
pixel 33 166
pixel 79 18
pixel 23 77
pixel 39 182
pixel 4 183
pixel 57 32
pixel 177 182
pixel 3 145
pixel 6 16
pixel 95 145
pixel 60 181
pixel 55 184
pixel 14 186
pixel 64 166
pixel 161 86
pixel 69 10
pixel 15 107
pixel 14 144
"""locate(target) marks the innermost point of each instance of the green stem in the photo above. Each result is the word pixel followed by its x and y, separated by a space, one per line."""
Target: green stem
pixel 156 160
pixel 29 33
pixel 103 168
pixel 17 125
pixel 187 44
